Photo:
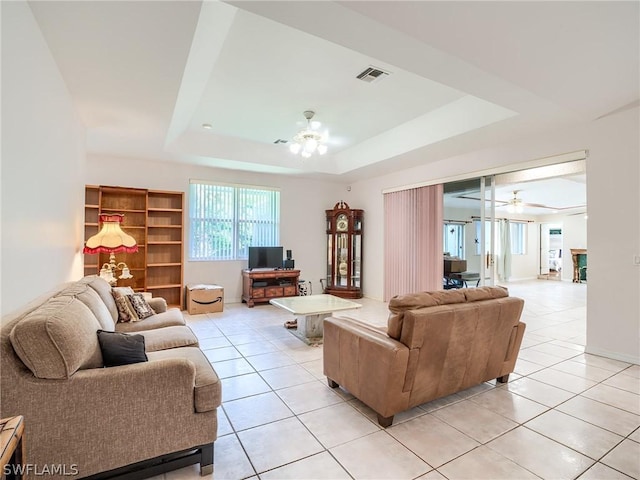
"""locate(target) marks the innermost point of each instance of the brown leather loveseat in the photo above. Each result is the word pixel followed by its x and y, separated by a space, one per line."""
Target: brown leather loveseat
pixel 436 344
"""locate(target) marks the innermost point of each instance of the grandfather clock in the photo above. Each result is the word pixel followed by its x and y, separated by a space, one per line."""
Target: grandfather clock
pixel 344 251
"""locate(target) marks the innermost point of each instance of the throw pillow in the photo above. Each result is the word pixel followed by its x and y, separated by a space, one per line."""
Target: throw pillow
pixel 121 349
pixel 139 307
pixel 124 310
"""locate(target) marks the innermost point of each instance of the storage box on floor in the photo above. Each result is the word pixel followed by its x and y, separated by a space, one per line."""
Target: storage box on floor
pixel 204 299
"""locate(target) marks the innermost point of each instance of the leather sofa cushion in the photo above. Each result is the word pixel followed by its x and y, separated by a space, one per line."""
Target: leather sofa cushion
pixel 172 317
pixel 484 293
pixel 91 298
pixel 169 337
pixel 208 388
pixel 58 339
pixel 400 304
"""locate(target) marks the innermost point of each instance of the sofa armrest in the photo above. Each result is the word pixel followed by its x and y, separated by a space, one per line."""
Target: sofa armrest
pixel 362 325
pixel 134 409
pixel 158 304
pixel 367 362
pixel 517 334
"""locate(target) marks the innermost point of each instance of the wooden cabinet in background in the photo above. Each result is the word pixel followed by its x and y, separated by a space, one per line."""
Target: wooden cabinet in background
pixel 260 286
pixel 155 219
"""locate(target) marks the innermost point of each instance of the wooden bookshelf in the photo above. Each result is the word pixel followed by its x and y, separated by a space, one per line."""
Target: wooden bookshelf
pixel 155 219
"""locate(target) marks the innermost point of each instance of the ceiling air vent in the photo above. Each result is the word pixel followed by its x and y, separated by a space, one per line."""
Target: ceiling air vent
pixel 372 74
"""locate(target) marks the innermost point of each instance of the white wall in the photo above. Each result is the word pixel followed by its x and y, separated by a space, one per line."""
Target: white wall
pixel 613 302
pixel 42 166
pixel 302 217
pixel 613 312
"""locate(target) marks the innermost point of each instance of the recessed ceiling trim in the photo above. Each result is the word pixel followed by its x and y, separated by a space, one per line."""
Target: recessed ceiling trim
pixel 539 173
pixel 503 169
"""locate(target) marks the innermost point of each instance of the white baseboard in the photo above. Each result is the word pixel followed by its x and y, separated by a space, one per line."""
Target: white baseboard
pixel 612 355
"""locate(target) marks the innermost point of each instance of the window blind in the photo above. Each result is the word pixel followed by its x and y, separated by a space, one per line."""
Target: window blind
pixel 226 219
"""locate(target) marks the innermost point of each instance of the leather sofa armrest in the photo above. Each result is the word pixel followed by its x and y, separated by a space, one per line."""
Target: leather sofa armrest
pixel 513 350
pixel 362 325
pixel 367 363
pixel 158 304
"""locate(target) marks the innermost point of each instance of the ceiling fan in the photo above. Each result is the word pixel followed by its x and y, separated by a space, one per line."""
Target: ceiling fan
pixel 515 205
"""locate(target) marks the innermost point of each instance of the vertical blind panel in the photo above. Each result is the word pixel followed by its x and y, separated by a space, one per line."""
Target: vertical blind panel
pixel 258 219
pixel 413 240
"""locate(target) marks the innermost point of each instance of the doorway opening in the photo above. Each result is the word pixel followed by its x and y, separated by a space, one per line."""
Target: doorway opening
pixel 517 226
pixel 551 257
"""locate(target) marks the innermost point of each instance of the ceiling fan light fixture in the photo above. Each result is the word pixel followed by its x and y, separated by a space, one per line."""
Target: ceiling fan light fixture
pixel 310 145
pixel 295 148
pixel 515 204
pixel 309 141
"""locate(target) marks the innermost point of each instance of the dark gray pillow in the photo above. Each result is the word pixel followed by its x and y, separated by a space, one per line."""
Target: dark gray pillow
pixel 121 348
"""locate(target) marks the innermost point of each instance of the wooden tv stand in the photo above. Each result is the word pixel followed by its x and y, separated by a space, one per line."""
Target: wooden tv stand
pixel 260 286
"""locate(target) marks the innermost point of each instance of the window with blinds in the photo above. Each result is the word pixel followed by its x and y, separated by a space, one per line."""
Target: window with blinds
pixel 227 219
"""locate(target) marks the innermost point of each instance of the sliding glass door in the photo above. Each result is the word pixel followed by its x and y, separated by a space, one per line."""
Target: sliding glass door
pixel 488 237
pixel 470 237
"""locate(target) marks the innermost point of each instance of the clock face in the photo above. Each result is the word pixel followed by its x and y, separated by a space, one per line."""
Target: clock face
pixel 342 224
pixel 342 268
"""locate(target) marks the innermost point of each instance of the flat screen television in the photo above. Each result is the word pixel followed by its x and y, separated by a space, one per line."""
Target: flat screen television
pixel 265 257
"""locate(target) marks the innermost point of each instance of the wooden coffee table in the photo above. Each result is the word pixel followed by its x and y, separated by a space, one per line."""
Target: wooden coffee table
pixel 310 311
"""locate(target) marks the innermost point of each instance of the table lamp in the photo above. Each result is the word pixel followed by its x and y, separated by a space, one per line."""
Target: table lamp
pixel 111 239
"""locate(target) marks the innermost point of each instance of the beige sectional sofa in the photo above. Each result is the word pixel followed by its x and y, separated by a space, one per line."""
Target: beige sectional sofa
pixel 435 344
pixel 139 419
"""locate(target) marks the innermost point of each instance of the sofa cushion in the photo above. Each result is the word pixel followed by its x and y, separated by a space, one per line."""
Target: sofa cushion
pixel 172 317
pixel 168 337
pixel 102 287
pixel 400 304
pixel 121 348
pixel 91 299
pixel 207 389
pixel 58 338
pixel 448 297
pixel 484 293
pixel 411 301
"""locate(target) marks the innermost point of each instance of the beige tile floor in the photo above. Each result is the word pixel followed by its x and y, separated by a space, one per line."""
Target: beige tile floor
pixel 564 413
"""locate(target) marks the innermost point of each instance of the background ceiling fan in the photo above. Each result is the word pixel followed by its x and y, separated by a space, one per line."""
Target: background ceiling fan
pixel 516 205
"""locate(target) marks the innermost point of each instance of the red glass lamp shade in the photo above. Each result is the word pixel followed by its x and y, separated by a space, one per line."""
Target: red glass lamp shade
pixel 111 238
